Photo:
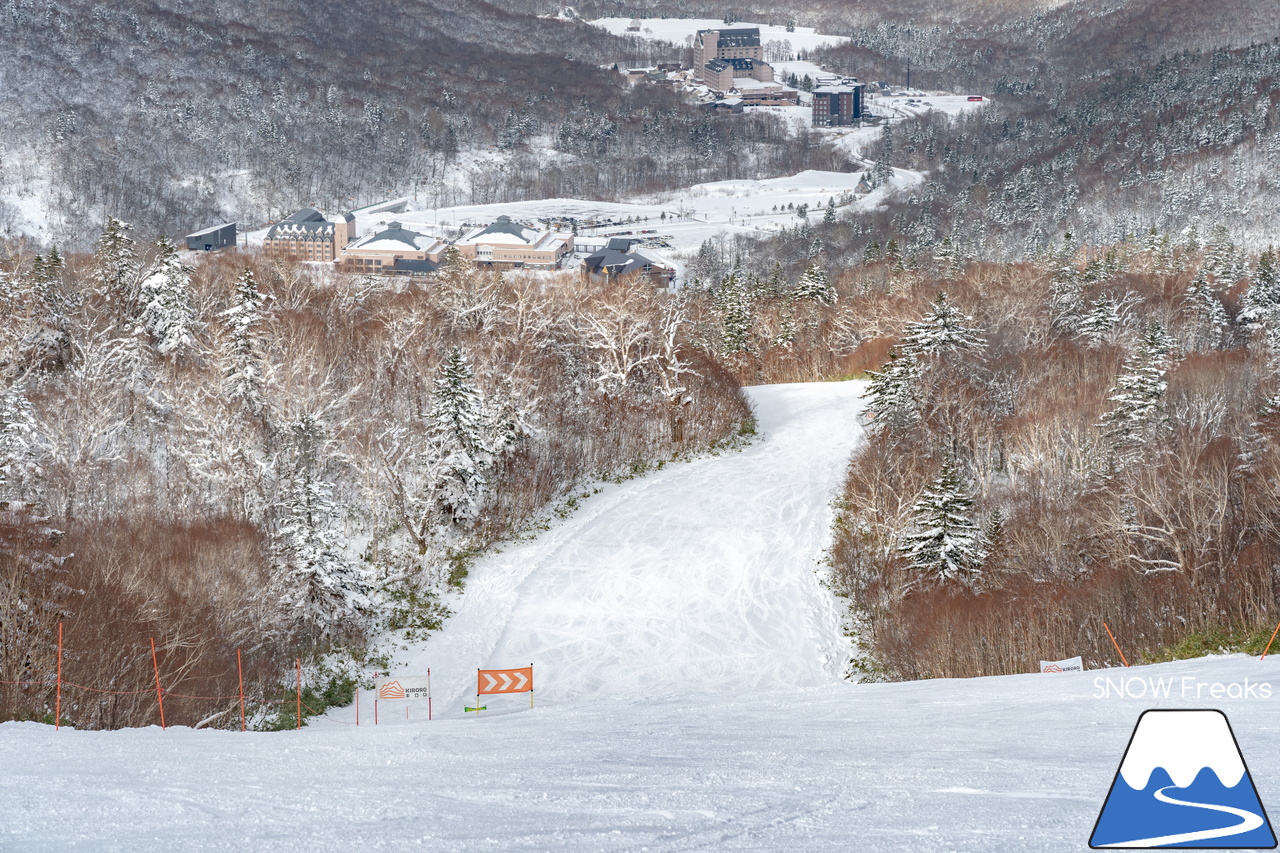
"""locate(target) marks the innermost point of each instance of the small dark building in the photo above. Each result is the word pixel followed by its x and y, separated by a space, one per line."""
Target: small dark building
pixel 614 261
pixel 837 105
pixel 210 239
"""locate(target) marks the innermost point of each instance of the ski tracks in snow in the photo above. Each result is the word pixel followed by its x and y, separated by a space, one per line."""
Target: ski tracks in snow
pixel 698 577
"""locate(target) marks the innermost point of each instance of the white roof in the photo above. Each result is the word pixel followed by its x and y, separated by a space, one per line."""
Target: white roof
pixel 378 243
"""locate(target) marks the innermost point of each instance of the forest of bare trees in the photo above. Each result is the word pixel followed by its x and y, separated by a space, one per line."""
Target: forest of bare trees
pixel 1059 444
pixel 242 456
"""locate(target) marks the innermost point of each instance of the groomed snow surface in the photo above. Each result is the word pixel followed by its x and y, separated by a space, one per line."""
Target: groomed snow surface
pixel 688 698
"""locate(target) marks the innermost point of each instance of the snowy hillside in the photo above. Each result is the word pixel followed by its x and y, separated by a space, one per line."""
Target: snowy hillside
pixel 687 669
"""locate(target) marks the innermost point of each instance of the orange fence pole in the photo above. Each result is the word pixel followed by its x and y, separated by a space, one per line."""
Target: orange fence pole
pixel 58 703
pixel 1117 645
pixel 357 706
pixel 240 672
pixel 159 693
pixel 298 663
pixel 1264 651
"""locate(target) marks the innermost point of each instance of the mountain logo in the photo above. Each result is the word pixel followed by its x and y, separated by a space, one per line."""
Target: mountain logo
pixel 391 690
pixel 1183 783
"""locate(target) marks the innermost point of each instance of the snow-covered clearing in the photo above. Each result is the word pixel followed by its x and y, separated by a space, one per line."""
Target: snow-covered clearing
pixel 25 195
pixel 801 68
pixel 681 31
pixel 694 213
pixel 688 699
pixel 919 103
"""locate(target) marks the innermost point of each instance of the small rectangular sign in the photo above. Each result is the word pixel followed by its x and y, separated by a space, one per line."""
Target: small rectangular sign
pixel 504 680
pixel 403 687
pixel 1075 664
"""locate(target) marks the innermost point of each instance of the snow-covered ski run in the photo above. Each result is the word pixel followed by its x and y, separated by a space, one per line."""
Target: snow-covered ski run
pixel 697 578
pixel 687 666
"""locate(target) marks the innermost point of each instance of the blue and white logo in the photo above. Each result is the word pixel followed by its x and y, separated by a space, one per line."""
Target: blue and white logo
pixel 1183 783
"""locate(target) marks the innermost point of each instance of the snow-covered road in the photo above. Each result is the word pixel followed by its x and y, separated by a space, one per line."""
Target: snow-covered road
pixel 700 577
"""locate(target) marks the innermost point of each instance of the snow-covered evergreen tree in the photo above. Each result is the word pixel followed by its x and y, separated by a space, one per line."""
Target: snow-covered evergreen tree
pixel 116 262
pixel 1207 309
pixel 891 393
pixel 941 331
pixel 943 542
pixel 244 361
pixel 19 450
pixel 1222 259
pixel 1103 316
pixel 737 313
pixel 949 257
pixel 459 448
pixel 813 284
pixel 165 297
pixel 322 586
pixel 508 420
pixel 882 172
pixel 1260 312
pixel 1139 393
pixel 829 217
pixel 1066 298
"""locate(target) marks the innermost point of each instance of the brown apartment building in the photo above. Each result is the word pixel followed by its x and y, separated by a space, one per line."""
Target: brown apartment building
pixel 308 236
pixel 394 250
pixel 509 245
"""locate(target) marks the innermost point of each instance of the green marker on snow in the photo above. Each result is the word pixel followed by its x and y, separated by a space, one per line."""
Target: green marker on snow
pixel 481 708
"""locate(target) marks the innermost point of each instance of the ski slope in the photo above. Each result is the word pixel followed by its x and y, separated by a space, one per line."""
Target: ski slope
pixel 697 578
pixel 1015 764
pixel 686 663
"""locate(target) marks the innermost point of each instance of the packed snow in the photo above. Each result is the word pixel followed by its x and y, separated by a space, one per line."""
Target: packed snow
pixel 1011 764
pixel 687 665
pixel 701 576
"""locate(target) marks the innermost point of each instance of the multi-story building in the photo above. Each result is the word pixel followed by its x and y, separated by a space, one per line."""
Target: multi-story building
pixel 308 236
pixel 721 56
pixel 509 245
pixel 393 250
pixel 837 104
